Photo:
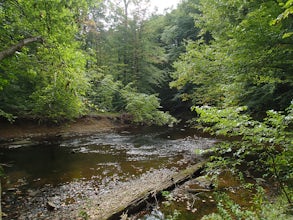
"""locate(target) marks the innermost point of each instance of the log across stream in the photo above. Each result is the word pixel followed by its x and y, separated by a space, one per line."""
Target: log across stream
pixel 150 195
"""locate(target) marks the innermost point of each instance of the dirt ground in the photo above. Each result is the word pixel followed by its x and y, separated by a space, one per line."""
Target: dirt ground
pixel 82 126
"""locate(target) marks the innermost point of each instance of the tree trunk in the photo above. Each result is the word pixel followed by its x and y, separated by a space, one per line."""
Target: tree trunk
pixel 139 202
pixel 17 47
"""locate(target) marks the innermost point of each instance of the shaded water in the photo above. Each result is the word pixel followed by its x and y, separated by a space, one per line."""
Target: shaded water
pixel 125 153
pixel 119 155
pixel 182 205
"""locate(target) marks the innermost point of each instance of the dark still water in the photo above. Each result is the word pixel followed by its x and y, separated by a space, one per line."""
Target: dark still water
pixel 125 153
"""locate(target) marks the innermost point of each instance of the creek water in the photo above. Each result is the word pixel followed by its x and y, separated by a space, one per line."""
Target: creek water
pixel 46 166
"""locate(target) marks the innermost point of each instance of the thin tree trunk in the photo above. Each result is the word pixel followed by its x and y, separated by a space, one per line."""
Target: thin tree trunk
pixel 17 47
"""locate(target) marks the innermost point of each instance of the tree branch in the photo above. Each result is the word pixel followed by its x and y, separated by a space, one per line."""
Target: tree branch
pixel 17 47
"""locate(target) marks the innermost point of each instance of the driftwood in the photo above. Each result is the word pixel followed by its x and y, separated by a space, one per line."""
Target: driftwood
pixel 18 46
pixel 138 203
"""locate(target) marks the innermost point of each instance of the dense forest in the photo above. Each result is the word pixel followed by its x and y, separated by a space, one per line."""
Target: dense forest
pixel 228 64
pixel 63 59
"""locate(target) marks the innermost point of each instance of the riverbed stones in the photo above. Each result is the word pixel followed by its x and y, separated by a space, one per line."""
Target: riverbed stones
pixel 51 206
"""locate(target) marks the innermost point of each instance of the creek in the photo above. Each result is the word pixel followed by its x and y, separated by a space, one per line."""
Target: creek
pixel 69 172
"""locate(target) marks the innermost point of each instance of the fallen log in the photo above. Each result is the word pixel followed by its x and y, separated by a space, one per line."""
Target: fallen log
pixel 139 202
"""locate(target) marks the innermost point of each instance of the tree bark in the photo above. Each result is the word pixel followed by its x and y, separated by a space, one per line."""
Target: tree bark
pixel 139 202
pixel 17 47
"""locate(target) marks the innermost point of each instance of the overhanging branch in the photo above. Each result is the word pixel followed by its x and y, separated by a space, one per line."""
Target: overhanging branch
pixel 17 47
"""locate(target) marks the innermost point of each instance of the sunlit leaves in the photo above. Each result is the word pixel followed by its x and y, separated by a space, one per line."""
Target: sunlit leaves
pixel 146 109
pixel 247 62
pixel 284 17
pixel 104 90
pixel 45 79
pixel 270 141
pixel 60 89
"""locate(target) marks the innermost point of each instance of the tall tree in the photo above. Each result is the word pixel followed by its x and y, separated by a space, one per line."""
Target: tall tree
pixel 172 31
pixel 247 62
pixel 126 54
pixel 48 78
pixel 129 54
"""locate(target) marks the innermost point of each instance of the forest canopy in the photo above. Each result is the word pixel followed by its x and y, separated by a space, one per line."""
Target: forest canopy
pixel 63 59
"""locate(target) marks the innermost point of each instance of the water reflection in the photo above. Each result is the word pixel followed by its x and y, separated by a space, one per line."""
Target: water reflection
pixel 125 154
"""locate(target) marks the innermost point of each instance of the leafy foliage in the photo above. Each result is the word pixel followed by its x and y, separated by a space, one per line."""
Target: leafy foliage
pixel 8 116
pixel 269 141
pixel 228 209
pixel 175 29
pixel 126 46
pixel 103 93
pixel 284 16
pixel 234 55
pixel 244 63
pixel 145 109
pixel 247 61
pixel 45 79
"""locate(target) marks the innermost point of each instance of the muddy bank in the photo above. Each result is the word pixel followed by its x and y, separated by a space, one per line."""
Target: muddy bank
pixel 26 128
